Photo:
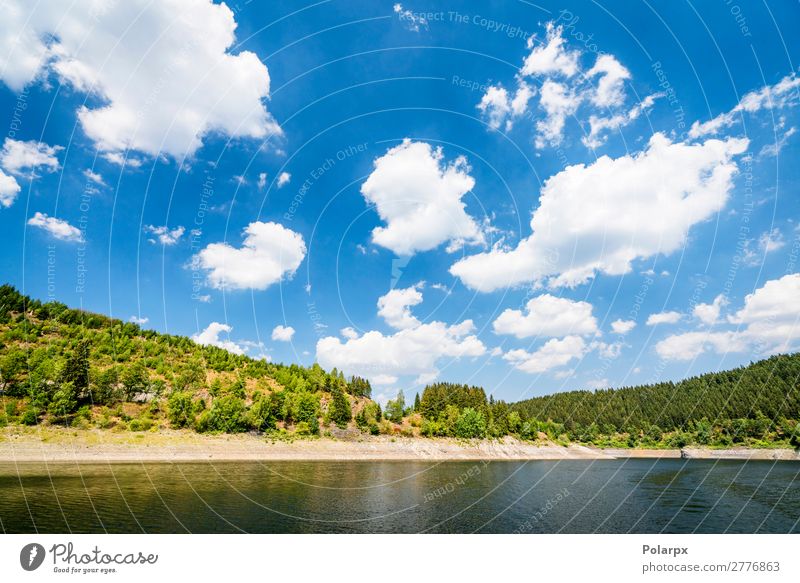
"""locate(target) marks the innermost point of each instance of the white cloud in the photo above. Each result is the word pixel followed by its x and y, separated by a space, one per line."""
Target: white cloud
pixel 785 93
pixel 564 93
pixel 553 354
pixel 599 126
pixel 268 253
pixel 25 158
pixel 610 88
pixel 663 318
pixel 622 327
pixel 498 106
pixel 161 100
pixel 768 323
pixel 138 320
pixel 771 241
pixel 550 57
pixel 282 333
pixel 283 179
pixel 558 102
pixel 419 197
pixel 262 180
pixel 9 189
pixel 349 333
pixel 410 351
pixel 691 344
pixel 165 235
pixel 603 216
pixel 122 160
pixel 211 337
pixel 413 22
pixel 395 307
pixel 57 228
pixel 548 316
pixel 607 350
pixel 94 177
pixel 709 313
pixel 775 148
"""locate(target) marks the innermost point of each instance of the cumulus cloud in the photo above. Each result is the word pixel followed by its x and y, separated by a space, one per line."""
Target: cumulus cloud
pixel 282 333
pixel 499 107
pixel 9 189
pixel 565 90
pixel 609 91
pixel 709 313
pixel 262 180
pixel 418 195
pixel 94 177
pixel 349 333
pixel 548 316
pixel 785 93
pixel 551 56
pixel 166 99
pixel 268 253
pixel 603 216
pixel 552 354
pixel 557 101
pixel 56 228
pixel 141 321
pixel 25 158
pixel 622 327
pixel 211 337
pixel 395 307
pixel 412 350
pixel 283 179
pixel 768 323
pixel 164 234
pixel 663 318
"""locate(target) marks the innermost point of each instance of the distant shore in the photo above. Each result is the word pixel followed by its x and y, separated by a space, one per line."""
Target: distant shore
pixel 65 445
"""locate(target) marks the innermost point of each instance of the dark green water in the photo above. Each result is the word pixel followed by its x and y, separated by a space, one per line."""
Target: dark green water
pixel 643 496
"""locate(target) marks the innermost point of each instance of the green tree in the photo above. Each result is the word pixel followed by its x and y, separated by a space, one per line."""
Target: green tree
pixel 339 410
pixel 470 423
pixel 64 401
pixel 396 407
pixel 76 369
pixel 180 410
pixel 227 415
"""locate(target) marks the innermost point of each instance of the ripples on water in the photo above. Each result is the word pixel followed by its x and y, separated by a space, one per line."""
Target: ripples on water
pixel 539 497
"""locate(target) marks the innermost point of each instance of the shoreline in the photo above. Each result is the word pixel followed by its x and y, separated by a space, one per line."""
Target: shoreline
pixel 63 445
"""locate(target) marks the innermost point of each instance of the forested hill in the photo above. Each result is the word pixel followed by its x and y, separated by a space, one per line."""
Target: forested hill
pixel 60 366
pixel 768 390
pixel 64 366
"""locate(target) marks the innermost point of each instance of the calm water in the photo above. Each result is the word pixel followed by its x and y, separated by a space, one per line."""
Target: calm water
pixel 277 497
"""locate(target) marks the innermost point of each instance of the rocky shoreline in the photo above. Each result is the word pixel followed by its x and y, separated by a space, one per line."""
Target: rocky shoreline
pixel 100 447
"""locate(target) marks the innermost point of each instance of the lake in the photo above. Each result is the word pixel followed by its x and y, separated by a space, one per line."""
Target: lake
pixel 608 496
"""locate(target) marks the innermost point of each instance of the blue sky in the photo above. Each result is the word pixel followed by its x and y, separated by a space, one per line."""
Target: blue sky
pixel 414 192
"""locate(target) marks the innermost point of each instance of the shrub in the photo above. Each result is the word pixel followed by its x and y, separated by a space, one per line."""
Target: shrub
pixel 470 423
pixel 306 429
pixel 11 408
pixel 227 415
pixel 30 417
pixel 180 409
